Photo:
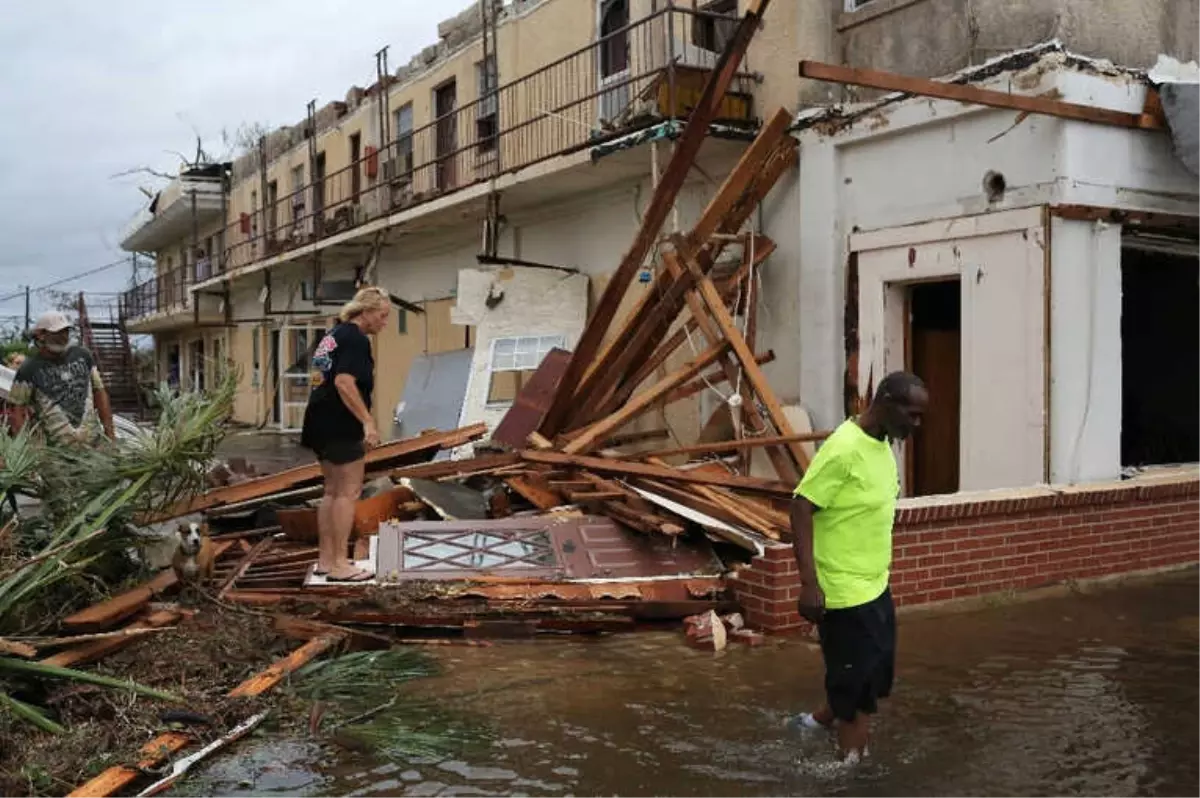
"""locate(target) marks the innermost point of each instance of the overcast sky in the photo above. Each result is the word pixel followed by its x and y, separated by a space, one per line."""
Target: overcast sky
pixel 90 89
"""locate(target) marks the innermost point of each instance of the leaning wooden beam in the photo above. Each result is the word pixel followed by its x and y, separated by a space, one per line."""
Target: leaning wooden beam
pixel 601 380
pixel 644 401
pixel 715 332
pixel 606 466
pixel 379 457
pixel 743 173
pixel 651 320
pixel 705 382
pixel 758 380
pixel 730 446
pixel 686 149
pixel 976 95
pixel 763 248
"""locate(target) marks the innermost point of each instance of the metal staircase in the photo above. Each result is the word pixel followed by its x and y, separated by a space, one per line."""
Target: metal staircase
pixel 109 344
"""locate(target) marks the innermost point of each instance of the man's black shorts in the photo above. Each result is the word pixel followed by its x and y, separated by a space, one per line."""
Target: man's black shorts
pixel 858 645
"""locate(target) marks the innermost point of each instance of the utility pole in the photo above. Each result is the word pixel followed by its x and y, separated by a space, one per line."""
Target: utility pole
pixel 27 319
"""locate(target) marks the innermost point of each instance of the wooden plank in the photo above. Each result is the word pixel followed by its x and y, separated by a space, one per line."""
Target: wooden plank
pixel 686 148
pixel 606 466
pixel 92 651
pixel 730 446
pixel 652 319
pixel 377 458
pixel 632 438
pixel 16 648
pixel 715 332
pixel 976 95
pixel 262 682
pixel 153 754
pixel 159 750
pixel 744 517
pixel 1150 220
pixel 455 468
pixel 123 605
pixel 758 380
pixel 244 564
pixel 711 379
pixel 532 401
pixel 644 401
pixel 742 174
pixel 534 491
pixel 763 248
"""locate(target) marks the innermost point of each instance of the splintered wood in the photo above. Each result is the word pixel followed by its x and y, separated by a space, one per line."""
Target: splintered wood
pixel 612 379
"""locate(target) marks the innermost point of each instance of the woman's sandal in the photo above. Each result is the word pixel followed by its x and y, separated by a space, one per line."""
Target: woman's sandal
pixel 359 575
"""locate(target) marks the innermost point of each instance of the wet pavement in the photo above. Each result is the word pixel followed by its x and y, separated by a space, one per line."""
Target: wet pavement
pixel 1089 694
pixel 267 451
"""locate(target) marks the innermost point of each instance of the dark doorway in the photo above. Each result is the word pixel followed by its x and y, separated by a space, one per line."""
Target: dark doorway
pixel 1160 357
pixel 355 166
pixel 273 378
pixel 935 355
pixel 445 100
pixel 319 195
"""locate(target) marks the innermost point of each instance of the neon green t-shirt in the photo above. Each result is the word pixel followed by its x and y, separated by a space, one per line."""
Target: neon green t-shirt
pixel 854 483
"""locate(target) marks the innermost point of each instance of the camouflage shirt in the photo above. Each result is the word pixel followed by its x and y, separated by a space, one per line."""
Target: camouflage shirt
pixel 59 392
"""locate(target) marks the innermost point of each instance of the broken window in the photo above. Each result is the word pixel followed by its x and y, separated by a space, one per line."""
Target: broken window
pixel 711 33
pixel 486 120
pixel 513 362
pixel 401 167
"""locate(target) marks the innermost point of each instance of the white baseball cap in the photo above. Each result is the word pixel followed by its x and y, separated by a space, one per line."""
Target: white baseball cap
pixel 51 321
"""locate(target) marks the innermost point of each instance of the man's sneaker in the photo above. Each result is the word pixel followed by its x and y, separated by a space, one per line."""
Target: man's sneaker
pixel 805 722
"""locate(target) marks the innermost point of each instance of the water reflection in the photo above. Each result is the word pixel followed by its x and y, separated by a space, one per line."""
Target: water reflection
pixel 1089 695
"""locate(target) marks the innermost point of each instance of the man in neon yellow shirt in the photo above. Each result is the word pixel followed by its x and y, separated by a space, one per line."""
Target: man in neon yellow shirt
pixel 842 518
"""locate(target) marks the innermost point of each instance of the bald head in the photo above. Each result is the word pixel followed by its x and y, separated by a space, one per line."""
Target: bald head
pixel 899 404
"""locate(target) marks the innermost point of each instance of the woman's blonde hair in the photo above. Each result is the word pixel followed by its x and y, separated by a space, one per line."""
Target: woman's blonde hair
pixel 369 298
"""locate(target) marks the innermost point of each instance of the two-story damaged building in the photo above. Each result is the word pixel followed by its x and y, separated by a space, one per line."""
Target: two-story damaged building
pixel 1018 260
pixel 529 139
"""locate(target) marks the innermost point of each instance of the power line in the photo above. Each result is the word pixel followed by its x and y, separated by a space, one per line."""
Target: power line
pixel 72 278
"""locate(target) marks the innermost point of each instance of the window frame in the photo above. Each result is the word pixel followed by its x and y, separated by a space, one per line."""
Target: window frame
pixel 540 350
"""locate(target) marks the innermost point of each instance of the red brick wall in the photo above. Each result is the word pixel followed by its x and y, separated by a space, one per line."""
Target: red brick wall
pixel 971 548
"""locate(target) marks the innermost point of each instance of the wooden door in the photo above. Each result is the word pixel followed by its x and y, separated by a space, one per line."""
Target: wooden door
pixel 935 355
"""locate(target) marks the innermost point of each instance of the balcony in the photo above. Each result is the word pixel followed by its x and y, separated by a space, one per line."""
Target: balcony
pixel 194 199
pixel 637 75
pixel 164 302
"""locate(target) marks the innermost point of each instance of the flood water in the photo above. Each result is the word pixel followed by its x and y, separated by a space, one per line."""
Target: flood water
pixel 1090 694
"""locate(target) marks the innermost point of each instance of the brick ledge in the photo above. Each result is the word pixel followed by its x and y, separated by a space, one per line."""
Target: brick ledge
pixel 1023 500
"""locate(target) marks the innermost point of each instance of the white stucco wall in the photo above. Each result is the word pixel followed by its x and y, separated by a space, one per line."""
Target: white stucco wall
pixel 922 160
pixel 1085 347
pixel 533 302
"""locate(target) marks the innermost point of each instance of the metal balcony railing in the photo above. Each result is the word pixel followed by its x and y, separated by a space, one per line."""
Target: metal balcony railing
pixel 162 293
pixel 645 72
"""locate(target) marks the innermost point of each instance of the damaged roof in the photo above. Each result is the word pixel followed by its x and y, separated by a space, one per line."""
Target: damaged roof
pixel 1047 54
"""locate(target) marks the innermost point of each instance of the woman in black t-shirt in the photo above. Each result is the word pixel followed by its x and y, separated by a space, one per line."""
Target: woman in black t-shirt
pixel 338 426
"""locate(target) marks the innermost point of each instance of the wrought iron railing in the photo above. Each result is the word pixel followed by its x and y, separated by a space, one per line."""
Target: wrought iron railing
pixel 650 70
pixel 162 293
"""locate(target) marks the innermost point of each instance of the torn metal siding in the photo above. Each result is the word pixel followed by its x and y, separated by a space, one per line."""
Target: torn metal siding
pixel 1181 103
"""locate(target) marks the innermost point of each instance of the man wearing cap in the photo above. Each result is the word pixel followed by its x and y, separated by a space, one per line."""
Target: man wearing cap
pixel 61 386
